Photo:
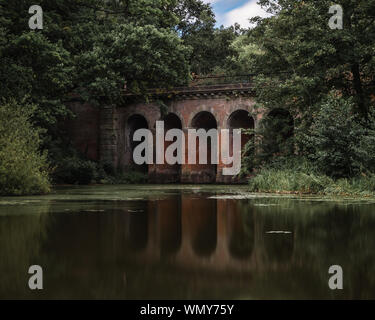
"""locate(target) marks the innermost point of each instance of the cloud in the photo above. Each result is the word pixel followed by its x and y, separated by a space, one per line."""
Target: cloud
pixel 243 13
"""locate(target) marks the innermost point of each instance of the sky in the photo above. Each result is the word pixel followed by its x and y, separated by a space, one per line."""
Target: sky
pixel 230 11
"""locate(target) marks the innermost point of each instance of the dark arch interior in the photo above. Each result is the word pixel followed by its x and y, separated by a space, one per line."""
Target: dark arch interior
pixel 170 221
pixel 172 121
pixel 204 120
pixel 136 122
pixel 203 224
pixel 241 119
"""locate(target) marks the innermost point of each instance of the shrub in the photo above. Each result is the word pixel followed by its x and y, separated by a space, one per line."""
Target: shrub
pixel 74 170
pixel 131 177
pixel 23 168
pixel 273 141
pixel 341 144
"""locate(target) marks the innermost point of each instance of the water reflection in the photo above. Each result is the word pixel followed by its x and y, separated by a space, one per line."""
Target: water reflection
pixel 187 245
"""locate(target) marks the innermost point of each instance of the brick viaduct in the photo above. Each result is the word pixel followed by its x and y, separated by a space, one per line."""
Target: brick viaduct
pixel 105 134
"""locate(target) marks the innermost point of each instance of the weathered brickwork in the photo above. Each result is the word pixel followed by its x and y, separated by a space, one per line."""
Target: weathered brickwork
pixel 111 134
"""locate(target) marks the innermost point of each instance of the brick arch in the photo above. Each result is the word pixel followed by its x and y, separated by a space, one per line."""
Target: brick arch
pixel 174 115
pixel 178 113
pixel 138 113
pixel 228 115
pixel 203 109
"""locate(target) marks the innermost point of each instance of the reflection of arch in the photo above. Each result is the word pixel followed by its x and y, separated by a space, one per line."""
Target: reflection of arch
pixel 205 173
pixel 169 215
pixel 134 123
pixel 203 226
pixel 171 121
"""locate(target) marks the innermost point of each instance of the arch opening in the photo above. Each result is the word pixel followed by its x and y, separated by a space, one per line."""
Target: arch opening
pixel 204 120
pixel 134 123
pixel 204 173
pixel 241 119
pixel 171 173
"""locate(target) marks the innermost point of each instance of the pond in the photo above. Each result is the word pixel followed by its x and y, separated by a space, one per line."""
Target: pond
pixel 185 242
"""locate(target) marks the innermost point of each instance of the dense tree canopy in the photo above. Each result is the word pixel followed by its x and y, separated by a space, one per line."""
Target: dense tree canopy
pixel 299 59
pixel 299 63
pixel 95 47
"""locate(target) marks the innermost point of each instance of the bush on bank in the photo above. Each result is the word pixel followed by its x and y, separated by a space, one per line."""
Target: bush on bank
pixel 334 154
pixel 24 169
pixel 74 169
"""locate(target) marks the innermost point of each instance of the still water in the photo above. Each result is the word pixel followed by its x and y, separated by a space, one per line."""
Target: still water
pixel 185 242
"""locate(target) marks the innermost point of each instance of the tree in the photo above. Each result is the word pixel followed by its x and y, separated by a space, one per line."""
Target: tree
pixel 23 169
pixel 303 59
pixel 341 144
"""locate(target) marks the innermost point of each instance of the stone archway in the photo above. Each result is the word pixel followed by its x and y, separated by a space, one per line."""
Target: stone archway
pixel 238 119
pixel 202 173
pixel 134 123
pixel 241 119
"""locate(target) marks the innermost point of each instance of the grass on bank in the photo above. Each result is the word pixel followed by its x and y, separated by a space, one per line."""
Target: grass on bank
pixel 298 182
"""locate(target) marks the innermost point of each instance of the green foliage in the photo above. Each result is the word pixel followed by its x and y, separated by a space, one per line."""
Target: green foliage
pixel 288 181
pixel 303 59
pixel 130 177
pixel 299 61
pixel 339 142
pixel 150 57
pixel 23 169
pixel 211 48
pixel 299 181
pixel 91 48
pixel 74 170
pixel 32 66
pixel 273 142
